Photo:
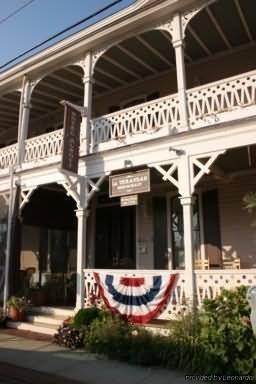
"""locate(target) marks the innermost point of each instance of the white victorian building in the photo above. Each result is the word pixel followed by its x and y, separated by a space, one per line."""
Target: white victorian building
pixel 169 86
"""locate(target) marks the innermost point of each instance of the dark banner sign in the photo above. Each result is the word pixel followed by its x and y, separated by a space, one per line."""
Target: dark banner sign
pixel 129 183
pixel 71 140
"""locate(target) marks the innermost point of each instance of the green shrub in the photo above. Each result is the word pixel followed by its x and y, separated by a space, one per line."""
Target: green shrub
pixel 217 339
pixel 84 317
pixel 226 333
pixel 109 336
pixel 151 350
pixel 190 353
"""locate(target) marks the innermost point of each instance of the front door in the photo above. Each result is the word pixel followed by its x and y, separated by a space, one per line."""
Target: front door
pixel 115 237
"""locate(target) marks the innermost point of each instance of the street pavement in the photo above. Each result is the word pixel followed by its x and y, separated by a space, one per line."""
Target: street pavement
pixel 38 360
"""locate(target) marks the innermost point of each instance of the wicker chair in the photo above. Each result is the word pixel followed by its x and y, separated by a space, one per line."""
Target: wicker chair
pixel 201 264
pixel 231 263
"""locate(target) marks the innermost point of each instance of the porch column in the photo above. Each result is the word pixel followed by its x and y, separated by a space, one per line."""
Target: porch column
pixel 186 190
pixel 187 205
pixel 81 215
pixel 24 120
pixel 87 80
pixel 178 45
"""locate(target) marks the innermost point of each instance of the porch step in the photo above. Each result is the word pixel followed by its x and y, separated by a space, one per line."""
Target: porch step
pixel 46 329
pixel 52 311
pixel 45 320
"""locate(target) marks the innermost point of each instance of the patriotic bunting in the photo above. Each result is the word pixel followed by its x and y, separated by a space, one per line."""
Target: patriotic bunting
pixel 138 299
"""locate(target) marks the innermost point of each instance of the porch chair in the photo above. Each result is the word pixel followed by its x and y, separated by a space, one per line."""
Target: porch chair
pixel 231 263
pixel 201 264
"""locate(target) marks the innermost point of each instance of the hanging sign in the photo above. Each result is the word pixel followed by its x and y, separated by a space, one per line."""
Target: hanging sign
pixel 71 139
pixel 127 201
pixel 129 183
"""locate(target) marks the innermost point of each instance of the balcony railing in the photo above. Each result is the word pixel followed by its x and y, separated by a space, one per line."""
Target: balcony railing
pixel 214 103
pixel 8 156
pixel 41 148
pixel 209 284
pixel 147 118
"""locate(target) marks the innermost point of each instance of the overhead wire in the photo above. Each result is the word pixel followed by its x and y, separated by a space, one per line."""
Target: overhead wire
pixel 92 15
pixel 16 11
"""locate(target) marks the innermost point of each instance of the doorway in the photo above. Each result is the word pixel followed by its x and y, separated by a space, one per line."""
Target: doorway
pixel 115 239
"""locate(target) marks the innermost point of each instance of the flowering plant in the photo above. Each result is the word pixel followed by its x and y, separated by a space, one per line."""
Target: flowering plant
pixel 19 303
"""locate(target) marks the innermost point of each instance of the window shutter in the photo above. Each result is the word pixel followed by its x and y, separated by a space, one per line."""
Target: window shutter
pixel 212 234
pixel 160 233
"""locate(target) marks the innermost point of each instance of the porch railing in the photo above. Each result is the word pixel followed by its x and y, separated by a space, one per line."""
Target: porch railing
pixel 225 100
pixel 212 103
pixel 144 118
pixel 209 284
pixel 8 156
pixel 44 146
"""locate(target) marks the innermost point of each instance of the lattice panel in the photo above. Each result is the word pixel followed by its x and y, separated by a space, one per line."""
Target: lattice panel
pixel 210 283
pixel 223 96
pixel 8 156
pixel 44 146
pixel 144 118
pixel 175 306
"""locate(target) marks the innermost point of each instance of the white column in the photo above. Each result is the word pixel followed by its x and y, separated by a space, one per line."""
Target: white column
pixel 81 215
pixel 187 205
pixel 87 80
pixel 24 123
pixel 186 191
pixel 178 45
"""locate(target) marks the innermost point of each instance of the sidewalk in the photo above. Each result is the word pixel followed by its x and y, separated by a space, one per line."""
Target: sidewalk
pixel 43 356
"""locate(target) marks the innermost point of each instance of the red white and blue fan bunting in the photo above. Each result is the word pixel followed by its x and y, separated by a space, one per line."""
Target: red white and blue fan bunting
pixel 138 299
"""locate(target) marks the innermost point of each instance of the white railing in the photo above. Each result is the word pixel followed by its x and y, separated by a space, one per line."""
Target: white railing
pixel 212 103
pixel 208 283
pixel 144 118
pixel 8 156
pixel 43 147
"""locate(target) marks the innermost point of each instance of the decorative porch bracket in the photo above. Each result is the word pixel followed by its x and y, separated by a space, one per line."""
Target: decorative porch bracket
pixel 25 195
pixel 81 189
pixel 203 167
pixel 168 174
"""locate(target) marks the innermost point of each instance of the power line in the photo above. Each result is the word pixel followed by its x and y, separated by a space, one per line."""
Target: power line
pixel 113 3
pixel 16 11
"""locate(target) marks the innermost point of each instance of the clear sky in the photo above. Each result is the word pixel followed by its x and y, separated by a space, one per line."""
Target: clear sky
pixel 43 18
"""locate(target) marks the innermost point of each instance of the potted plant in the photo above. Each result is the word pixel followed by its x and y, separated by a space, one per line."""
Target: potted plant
pixel 16 308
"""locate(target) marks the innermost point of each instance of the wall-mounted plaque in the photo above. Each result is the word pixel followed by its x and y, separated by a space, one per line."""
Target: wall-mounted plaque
pixel 129 183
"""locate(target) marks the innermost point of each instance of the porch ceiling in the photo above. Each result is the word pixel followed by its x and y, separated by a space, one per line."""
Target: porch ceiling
pixel 220 28
pixel 236 160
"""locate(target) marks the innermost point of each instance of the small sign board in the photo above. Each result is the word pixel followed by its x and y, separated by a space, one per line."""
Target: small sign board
pixel 127 201
pixel 71 139
pixel 129 183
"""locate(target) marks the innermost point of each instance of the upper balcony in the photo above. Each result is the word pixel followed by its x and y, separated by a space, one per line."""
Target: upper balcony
pixel 135 94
